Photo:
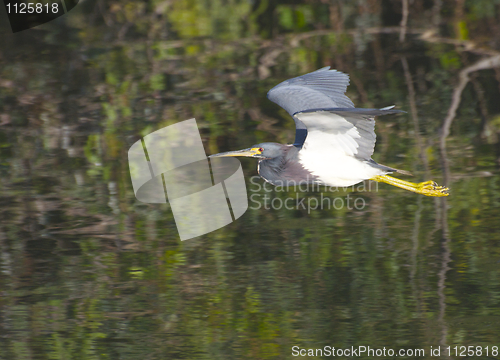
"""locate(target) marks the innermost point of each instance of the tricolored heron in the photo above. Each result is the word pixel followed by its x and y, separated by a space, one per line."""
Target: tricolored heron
pixel 334 141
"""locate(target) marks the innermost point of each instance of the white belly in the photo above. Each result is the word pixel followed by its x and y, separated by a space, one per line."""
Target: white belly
pixel 334 167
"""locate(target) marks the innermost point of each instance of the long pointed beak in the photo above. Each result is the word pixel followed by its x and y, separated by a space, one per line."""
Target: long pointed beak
pixel 250 152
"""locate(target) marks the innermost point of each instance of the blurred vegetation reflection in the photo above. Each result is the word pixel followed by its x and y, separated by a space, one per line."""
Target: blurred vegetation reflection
pixel 88 272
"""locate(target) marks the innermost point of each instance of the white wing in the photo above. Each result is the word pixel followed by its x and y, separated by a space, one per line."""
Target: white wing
pixel 349 133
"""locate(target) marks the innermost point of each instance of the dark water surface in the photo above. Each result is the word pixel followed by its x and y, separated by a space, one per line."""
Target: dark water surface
pixel 89 272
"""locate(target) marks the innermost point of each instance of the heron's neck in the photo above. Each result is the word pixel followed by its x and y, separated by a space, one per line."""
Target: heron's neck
pixel 273 169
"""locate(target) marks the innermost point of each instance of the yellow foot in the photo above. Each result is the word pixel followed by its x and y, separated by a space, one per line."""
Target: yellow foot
pixel 427 188
pixel 431 188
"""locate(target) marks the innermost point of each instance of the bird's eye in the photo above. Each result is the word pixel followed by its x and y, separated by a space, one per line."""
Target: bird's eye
pixel 261 149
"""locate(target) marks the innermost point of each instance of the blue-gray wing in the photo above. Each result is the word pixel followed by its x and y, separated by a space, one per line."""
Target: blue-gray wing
pixel 320 89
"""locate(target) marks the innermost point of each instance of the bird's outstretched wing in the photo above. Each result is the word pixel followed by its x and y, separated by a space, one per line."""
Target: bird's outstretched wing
pixel 320 89
pixel 322 112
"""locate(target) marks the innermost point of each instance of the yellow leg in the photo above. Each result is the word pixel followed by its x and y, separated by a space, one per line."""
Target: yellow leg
pixel 427 188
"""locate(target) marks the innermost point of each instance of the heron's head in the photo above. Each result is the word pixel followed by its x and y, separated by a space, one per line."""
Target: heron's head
pixel 259 151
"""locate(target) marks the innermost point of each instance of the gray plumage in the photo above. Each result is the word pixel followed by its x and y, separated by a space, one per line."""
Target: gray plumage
pixel 321 89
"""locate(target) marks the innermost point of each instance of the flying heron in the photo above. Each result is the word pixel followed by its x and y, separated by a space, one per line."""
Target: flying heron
pixel 334 141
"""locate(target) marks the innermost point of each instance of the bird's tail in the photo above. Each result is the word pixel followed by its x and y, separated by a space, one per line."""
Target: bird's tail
pixel 388 168
pixel 404 172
